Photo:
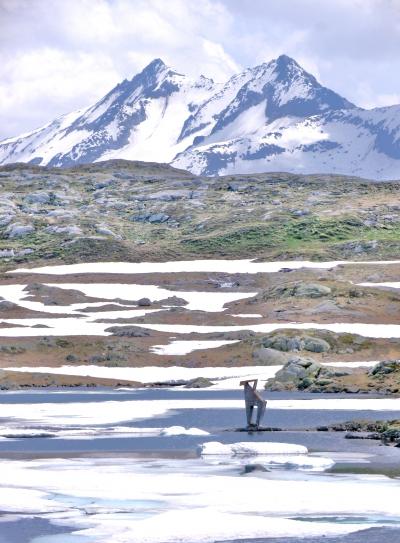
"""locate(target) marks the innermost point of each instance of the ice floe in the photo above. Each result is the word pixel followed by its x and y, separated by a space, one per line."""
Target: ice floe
pixel 120 500
pixel 271 461
pixel 181 431
pixel 250 448
pixel 96 432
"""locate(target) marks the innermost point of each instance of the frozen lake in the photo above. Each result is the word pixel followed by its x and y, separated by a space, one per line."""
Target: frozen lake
pixel 125 466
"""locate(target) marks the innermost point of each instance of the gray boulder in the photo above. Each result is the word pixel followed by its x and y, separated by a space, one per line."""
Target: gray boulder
pixel 144 302
pixel 106 232
pixel 128 331
pixel 264 356
pixel 5 219
pixel 158 218
pixel 168 195
pixel 6 253
pixel 199 382
pixel 385 367
pixel 311 290
pixel 152 218
pixel 316 345
pixel 6 305
pixel 38 198
pixel 298 368
pixel 71 230
pixel 16 230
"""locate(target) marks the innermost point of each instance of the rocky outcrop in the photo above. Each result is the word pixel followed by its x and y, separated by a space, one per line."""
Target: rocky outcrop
pixel 297 290
pixel 282 342
pixel 199 382
pixel 305 374
pixel 386 367
pixel 297 373
pixel 314 341
pixel 17 230
pixel 388 431
pixel 264 356
pixel 128 331
pixel 144 302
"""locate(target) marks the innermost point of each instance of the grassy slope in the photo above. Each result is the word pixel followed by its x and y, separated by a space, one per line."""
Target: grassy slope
pixel 265 215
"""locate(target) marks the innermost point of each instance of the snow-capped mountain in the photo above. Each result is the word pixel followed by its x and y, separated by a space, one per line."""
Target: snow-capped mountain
pixel 273 117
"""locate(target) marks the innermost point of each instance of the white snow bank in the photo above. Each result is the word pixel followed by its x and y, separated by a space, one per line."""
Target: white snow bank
pixel 358 364
pixel 250 448
pixel 248 315
pixel 151 374
pixel 200 301
pixel 185 266
pixel 185 347
pixel 387 284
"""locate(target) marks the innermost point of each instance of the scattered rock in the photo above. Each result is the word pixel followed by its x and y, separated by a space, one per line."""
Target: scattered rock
pixel 106 232
pixel 71 230
pixel 16 230
pixel 5 305
pixel 144 302
pixel 72 358
pixel 199 382
pixel 128 331
pixel 152 218
pixel 251 468
pixel 173 300
pixel 7 253
pixel 38 198
pixel 386 367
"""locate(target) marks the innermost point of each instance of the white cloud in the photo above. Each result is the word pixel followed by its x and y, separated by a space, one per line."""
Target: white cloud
pixel 59 55
pixel 56 56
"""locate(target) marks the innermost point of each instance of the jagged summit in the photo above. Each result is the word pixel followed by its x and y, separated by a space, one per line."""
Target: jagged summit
pixel 274 116
pixel 155 65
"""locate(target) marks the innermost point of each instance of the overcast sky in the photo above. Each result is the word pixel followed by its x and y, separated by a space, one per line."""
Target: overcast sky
pixel 60 55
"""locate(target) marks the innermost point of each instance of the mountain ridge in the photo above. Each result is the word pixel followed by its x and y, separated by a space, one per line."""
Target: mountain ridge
pixel 275 116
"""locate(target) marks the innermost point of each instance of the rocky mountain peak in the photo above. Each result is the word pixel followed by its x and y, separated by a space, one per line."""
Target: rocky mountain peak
pixel 274 116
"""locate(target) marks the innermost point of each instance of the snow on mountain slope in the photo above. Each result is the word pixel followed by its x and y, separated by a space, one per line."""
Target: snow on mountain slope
pixel 138 119
pixel 352 142
pixel 286 89
pixel 273 117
